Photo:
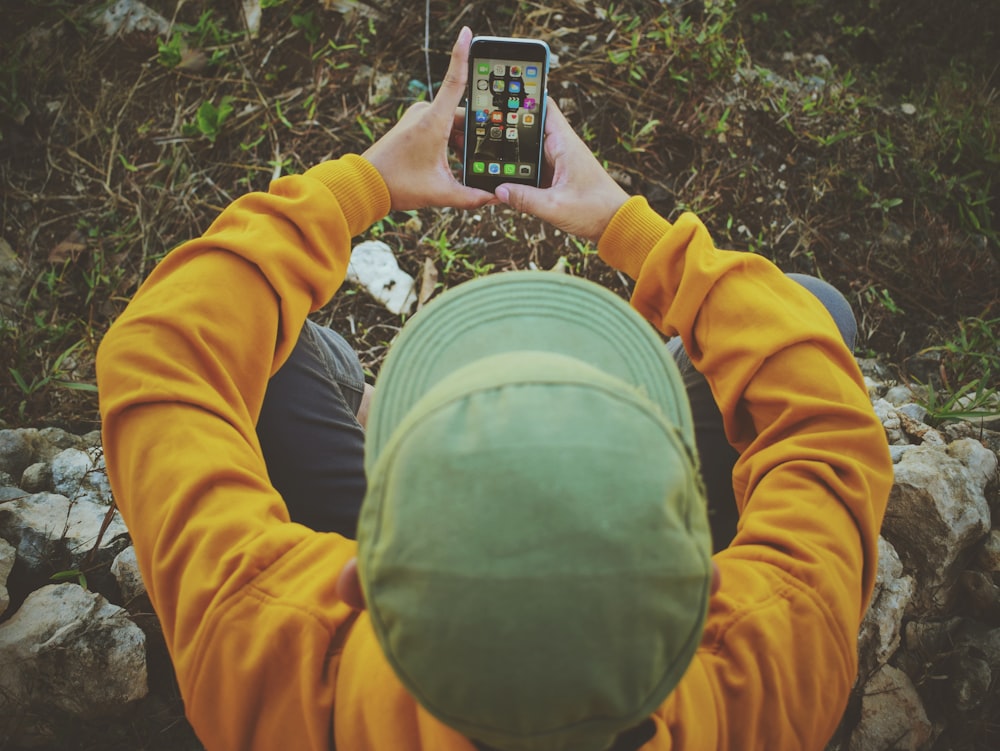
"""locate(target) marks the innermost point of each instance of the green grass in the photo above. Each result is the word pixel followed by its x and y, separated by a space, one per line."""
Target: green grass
pixel 969 373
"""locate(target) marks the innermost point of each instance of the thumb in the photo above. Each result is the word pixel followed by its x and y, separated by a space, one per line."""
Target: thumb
pixel 523 198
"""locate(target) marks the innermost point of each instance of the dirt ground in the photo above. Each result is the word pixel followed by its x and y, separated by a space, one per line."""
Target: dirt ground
pixel 855 140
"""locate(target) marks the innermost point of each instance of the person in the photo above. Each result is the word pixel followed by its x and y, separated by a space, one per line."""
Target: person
pixel 533 566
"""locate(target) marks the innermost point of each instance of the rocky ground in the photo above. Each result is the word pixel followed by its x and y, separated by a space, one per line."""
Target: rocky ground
pixel 85 666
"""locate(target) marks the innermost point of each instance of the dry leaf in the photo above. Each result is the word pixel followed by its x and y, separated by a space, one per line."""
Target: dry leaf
pixel 69 249
pixel 428 282
pixel 193 59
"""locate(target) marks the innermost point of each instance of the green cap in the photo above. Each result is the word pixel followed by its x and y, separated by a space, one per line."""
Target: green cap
pixel 534 546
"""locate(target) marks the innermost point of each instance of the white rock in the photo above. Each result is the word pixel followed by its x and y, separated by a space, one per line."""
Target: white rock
pixel 880 630
pixel 937 510
pixel 374 267
pixel 37 478
pixel 45 525
pixel 896 452
pixel 125 569
pixel 980 461
pixel 899 395
pixel 81 476
pixel 892 716
pixel 886 414
pixel 128 16
pixel 7 556
pixel 913 410
pixel 70 649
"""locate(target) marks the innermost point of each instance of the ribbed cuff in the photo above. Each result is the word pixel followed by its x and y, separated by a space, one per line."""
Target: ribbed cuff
pixel 358 187
pixel 631 235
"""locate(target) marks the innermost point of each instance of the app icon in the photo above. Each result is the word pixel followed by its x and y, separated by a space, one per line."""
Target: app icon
pixel 482 84
pixel 529 103
pixel 496 117
pixel 515 70
pixel 531 89
pixel 494 168
pixel 524 170
pixel 531 71
pixel 483 69
pixel 482 101
pixel 514 87
pixel 513 102
pixel 499 85
pixel 480 131
pixel 528 119
pixel 509 169
pixel 499 69
pixel 482 116
pixel 478 167
pixel 512 118
pixel 496 132
pixel 511 134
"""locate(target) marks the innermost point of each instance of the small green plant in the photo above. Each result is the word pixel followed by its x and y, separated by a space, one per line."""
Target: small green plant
pixel 187 41
pixel 54 376
pixel 170 52
pixel 70 575
pixel 209 119
pixel 970 372
pixel 639 136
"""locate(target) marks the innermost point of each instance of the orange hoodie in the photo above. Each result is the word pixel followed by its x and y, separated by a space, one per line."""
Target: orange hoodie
pixel 267 656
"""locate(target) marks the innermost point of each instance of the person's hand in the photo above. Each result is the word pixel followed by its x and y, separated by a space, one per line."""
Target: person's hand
pixel 413 157
pixel 581 197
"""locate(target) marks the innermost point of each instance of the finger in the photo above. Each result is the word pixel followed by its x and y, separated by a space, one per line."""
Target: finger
pixel 525 198
pixel 456 143
pixel 456 140
pixel 454 194
pixel 560 121
pixel 452 89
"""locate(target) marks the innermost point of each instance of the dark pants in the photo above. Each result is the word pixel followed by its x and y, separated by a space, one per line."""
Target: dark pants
pixel 314 446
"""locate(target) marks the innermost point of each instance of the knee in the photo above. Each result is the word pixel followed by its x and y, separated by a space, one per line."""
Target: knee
pixel 834 302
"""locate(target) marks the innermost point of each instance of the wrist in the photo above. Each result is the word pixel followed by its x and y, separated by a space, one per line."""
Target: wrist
pixel 358 187
pixel 630 236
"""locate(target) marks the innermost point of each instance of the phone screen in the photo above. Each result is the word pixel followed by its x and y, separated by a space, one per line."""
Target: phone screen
pixel 505 112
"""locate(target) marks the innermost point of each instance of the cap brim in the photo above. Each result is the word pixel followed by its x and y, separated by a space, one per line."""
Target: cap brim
pixel 524 310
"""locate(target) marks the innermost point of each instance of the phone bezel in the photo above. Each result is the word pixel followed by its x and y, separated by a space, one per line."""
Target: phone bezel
pixel 509 48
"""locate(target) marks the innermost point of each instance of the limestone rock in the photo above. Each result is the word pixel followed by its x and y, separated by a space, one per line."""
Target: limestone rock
pixel 45 526
pixel 15 452
pixel 892 716
pixel 125 569
pixel 71 650
pixel 880 630
pixel 937 511
pixel 887 415
pixel 37 478
pixel 81 476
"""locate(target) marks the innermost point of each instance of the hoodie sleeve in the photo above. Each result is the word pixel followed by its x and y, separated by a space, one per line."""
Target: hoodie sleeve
pixel 246 599
pixel 778 658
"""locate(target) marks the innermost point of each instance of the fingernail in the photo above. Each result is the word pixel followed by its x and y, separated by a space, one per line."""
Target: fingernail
pixel 502 193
